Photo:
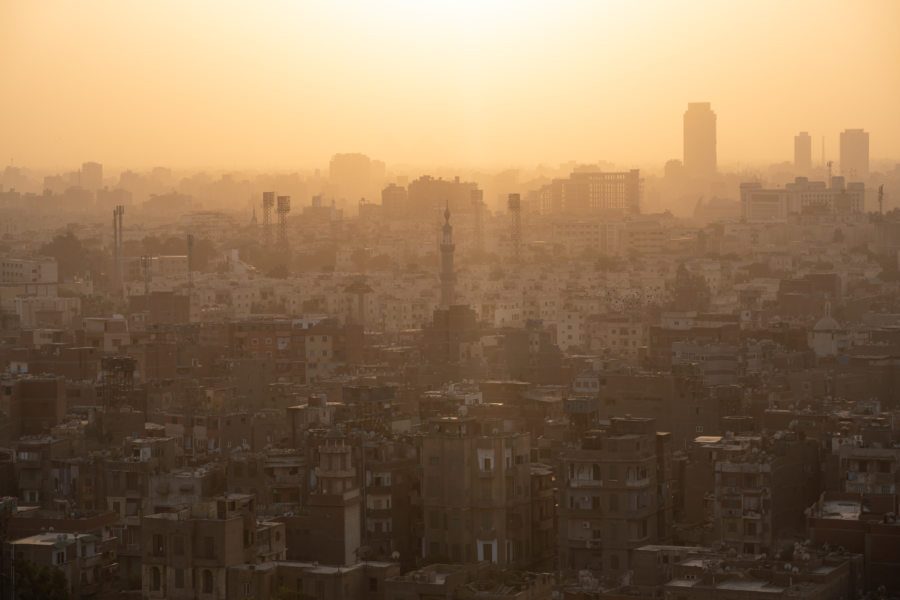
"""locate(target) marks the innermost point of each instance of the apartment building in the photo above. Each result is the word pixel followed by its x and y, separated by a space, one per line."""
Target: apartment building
pixel 475 491
pixel 187 553
pixel 615 495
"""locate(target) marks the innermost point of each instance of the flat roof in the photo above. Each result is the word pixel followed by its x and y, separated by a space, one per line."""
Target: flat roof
pixel 847 510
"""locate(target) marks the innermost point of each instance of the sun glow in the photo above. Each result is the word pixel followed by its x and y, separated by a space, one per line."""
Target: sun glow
pixel 279 83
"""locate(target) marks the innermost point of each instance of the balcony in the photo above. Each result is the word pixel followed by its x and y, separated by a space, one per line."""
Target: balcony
pixel 634 483
pixel 585 483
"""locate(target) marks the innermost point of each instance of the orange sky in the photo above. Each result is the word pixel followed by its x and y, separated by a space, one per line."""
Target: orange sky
pixel 288 83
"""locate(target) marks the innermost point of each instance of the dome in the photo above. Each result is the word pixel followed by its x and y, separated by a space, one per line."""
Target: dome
pixel 827 323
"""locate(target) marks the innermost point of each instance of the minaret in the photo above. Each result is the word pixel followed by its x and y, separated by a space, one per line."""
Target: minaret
pixel 448 276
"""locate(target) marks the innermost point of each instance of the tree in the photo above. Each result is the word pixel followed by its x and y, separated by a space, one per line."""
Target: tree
pixel 39 583
pixel 689 291
pixel 73 258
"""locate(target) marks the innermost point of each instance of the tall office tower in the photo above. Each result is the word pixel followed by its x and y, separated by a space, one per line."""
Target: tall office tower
pixel 855 154
pixel 802 153
pixel 91 176
pixel 448 274
pixel 699 140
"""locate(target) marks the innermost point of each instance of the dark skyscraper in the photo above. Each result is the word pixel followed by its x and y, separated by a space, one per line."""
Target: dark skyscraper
pixel 802 153
pixel 699 140
pixel 854 153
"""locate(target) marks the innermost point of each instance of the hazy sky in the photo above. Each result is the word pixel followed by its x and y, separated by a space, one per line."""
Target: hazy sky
pixel 187 83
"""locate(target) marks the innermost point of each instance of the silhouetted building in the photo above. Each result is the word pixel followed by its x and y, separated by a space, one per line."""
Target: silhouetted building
pixel 700 140
pixel 802 153
pixel 855 153
pixel 802 197
pixel 91 176
pixel 427 196
pixel 395 201
pixel 593 192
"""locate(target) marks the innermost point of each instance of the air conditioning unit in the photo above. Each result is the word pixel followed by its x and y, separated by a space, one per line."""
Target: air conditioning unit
pixel 586 525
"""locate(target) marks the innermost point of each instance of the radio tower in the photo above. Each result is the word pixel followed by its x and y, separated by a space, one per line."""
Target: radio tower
pixel 268 205
pixel 284 207
pixel 515 211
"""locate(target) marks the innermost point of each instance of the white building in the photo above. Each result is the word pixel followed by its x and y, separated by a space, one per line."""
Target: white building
pixel 759 204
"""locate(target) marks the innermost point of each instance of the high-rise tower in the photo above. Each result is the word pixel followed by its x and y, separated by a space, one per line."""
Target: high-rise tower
pixel 802 153
pixel 855 154
pixel 448 276
pixel 700 140
pixel 268 206
pixel 284 207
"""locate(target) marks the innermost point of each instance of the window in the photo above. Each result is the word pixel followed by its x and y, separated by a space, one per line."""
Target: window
pixel 209 548
pixel 155 579
pixel 159 545
pixel 207 580
pixel 179 578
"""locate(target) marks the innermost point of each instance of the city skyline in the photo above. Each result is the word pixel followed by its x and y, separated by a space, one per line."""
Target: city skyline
pixel 279 85
pixel 408 300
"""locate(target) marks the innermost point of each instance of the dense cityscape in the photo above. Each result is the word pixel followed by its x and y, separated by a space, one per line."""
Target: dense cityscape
pixel 366 379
